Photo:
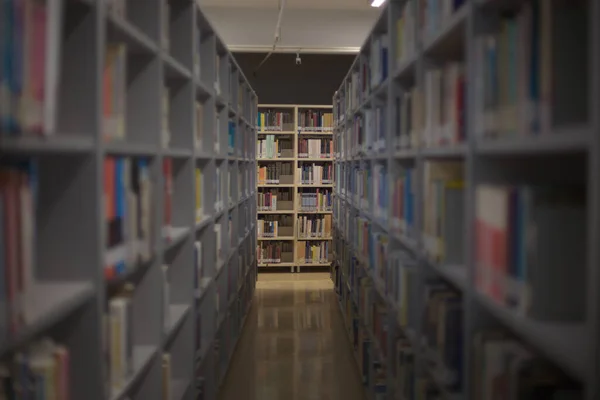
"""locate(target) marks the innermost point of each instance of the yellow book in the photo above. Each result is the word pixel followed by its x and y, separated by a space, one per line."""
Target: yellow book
pixel 199 213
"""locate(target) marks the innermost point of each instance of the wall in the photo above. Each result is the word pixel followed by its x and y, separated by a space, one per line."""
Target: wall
pixel 253 29
pixel 281 81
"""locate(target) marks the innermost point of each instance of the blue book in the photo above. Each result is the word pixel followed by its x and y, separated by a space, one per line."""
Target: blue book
pixel 121 203
pixel 4 322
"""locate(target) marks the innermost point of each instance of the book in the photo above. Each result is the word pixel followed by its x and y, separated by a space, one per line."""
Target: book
pixel 30 72
pixel 198 182
pixel 199 133
pixel 405 34
pixel 166 298
pixel 114 91
pixel 198 268
pixel 526 237
pixel 166 376
pixel 231 137
pixel 166 130
pixel 168 197
pixel 120 342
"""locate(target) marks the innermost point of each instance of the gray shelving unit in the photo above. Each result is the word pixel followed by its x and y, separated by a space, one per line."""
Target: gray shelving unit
pixel 71 290
pixel 565 151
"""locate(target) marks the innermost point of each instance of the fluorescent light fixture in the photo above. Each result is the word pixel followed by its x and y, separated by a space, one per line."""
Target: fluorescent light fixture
pixel 377 3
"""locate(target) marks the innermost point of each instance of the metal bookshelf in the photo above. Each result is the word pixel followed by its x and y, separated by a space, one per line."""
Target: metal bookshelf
pixel 71 291
pixel 295 132
pixel 564 151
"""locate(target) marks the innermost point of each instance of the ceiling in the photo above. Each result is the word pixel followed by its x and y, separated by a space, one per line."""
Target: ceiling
pixel 297 4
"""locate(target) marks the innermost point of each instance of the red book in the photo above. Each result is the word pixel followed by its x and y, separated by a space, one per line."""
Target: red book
pixel 168 176
pixel 110 211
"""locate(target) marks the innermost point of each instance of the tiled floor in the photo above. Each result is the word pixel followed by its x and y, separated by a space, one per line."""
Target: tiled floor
pixel 294 346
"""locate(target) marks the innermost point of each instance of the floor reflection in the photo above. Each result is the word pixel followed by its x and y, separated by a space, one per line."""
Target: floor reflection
pixel 294 346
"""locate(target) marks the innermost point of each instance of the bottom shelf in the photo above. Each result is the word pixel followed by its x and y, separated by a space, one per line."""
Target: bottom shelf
pixel 291 264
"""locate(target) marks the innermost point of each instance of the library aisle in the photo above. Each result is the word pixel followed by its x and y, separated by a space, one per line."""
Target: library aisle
pixel 293 345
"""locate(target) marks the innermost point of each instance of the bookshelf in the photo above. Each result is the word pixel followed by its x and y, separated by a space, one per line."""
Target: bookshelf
pixel 467 198
pixel 294 185
pixel 127 201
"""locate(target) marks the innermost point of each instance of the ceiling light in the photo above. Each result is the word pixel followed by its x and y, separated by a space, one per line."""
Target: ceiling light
pixel 377 3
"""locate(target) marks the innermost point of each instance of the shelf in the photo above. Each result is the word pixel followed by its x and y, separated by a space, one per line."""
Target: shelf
pixel 99 186
pixel 177 313
pixel 283 238
pixel 50 304
pixel 563 343
pixel 543 136
pixel 142 356
pixel 58 144
pixel 576 139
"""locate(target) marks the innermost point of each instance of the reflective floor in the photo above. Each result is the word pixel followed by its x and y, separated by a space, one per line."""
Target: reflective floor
pixel 294 346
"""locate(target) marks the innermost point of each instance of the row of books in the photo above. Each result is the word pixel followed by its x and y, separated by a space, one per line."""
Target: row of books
pixel 315 174
pixel 434 14
pixel 272 120
pixel 128 213
pixel 322 200
pixel 273 147
pixel 273 252
pixel 442 333
pixel 531 249
pixel 267 199
pixel 41 371
pixel 313 252
pixel 443 212
pixel 18 204
pixel 274 173
pixel 315 148
pixel 445 104
pixel 365 352
pixel 532 77
pixel 317 226
pixel 410 119
pixel 315 121
pixel 29 75
pixel 403 202
pixel 405 34
pixel 378 60
pixel 360 185
pixel 380 191
pixel 268 225
pixel 400 277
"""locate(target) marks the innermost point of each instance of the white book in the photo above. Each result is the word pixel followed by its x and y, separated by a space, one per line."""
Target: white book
pixel 166 297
